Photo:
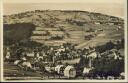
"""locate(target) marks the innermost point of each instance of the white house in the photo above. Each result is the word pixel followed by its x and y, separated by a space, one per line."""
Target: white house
pixel 70 72
pixel 87 70
pixel 17 62
pixel 30 54
pixel 92 54
pixel 59 69
pixel 8 55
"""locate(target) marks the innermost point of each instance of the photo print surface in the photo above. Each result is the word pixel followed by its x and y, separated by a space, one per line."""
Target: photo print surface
pixel 64 40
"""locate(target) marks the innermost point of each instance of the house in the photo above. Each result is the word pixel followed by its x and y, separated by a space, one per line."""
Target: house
pixel 30 54
pixel 8 55
pixel 111 23
pixel 17 62
pixel 86 70
pixel 70 72
pixel 61 49
pixel 92 54
pixel 27 65
pixel 71 62
pixel 100 29
pixel 115 55
pixel 49 69
pixel 97 23
pixel 59 69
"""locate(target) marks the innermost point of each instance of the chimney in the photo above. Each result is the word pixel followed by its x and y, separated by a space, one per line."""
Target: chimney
pixel 53 59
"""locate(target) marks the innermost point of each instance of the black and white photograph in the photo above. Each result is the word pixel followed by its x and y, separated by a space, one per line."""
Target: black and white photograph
pixel 64 40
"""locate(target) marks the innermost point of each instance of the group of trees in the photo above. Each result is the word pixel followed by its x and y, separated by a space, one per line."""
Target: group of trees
pixel 110 45
pixel 14 33
pixel 105 67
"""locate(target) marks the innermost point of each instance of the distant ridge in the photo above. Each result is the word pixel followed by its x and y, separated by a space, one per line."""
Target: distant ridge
pixel 65 11
pixel 90 14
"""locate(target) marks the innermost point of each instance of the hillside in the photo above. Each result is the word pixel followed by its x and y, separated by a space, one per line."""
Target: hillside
pixel 55 27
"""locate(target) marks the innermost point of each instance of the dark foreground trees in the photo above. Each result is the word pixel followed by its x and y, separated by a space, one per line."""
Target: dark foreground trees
pixel 106 66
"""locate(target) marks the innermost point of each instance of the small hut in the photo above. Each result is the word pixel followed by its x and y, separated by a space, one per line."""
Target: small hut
pixel 70 72
pixel 59 69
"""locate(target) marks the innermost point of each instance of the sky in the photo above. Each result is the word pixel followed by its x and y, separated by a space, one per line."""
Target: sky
pixel 109 7
pixel 63 1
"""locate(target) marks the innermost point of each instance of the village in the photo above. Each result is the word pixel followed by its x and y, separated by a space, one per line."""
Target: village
pixel 64 60
pixel 65 47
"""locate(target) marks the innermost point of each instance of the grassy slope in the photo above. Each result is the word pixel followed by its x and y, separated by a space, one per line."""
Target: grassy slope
pixel 109 33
